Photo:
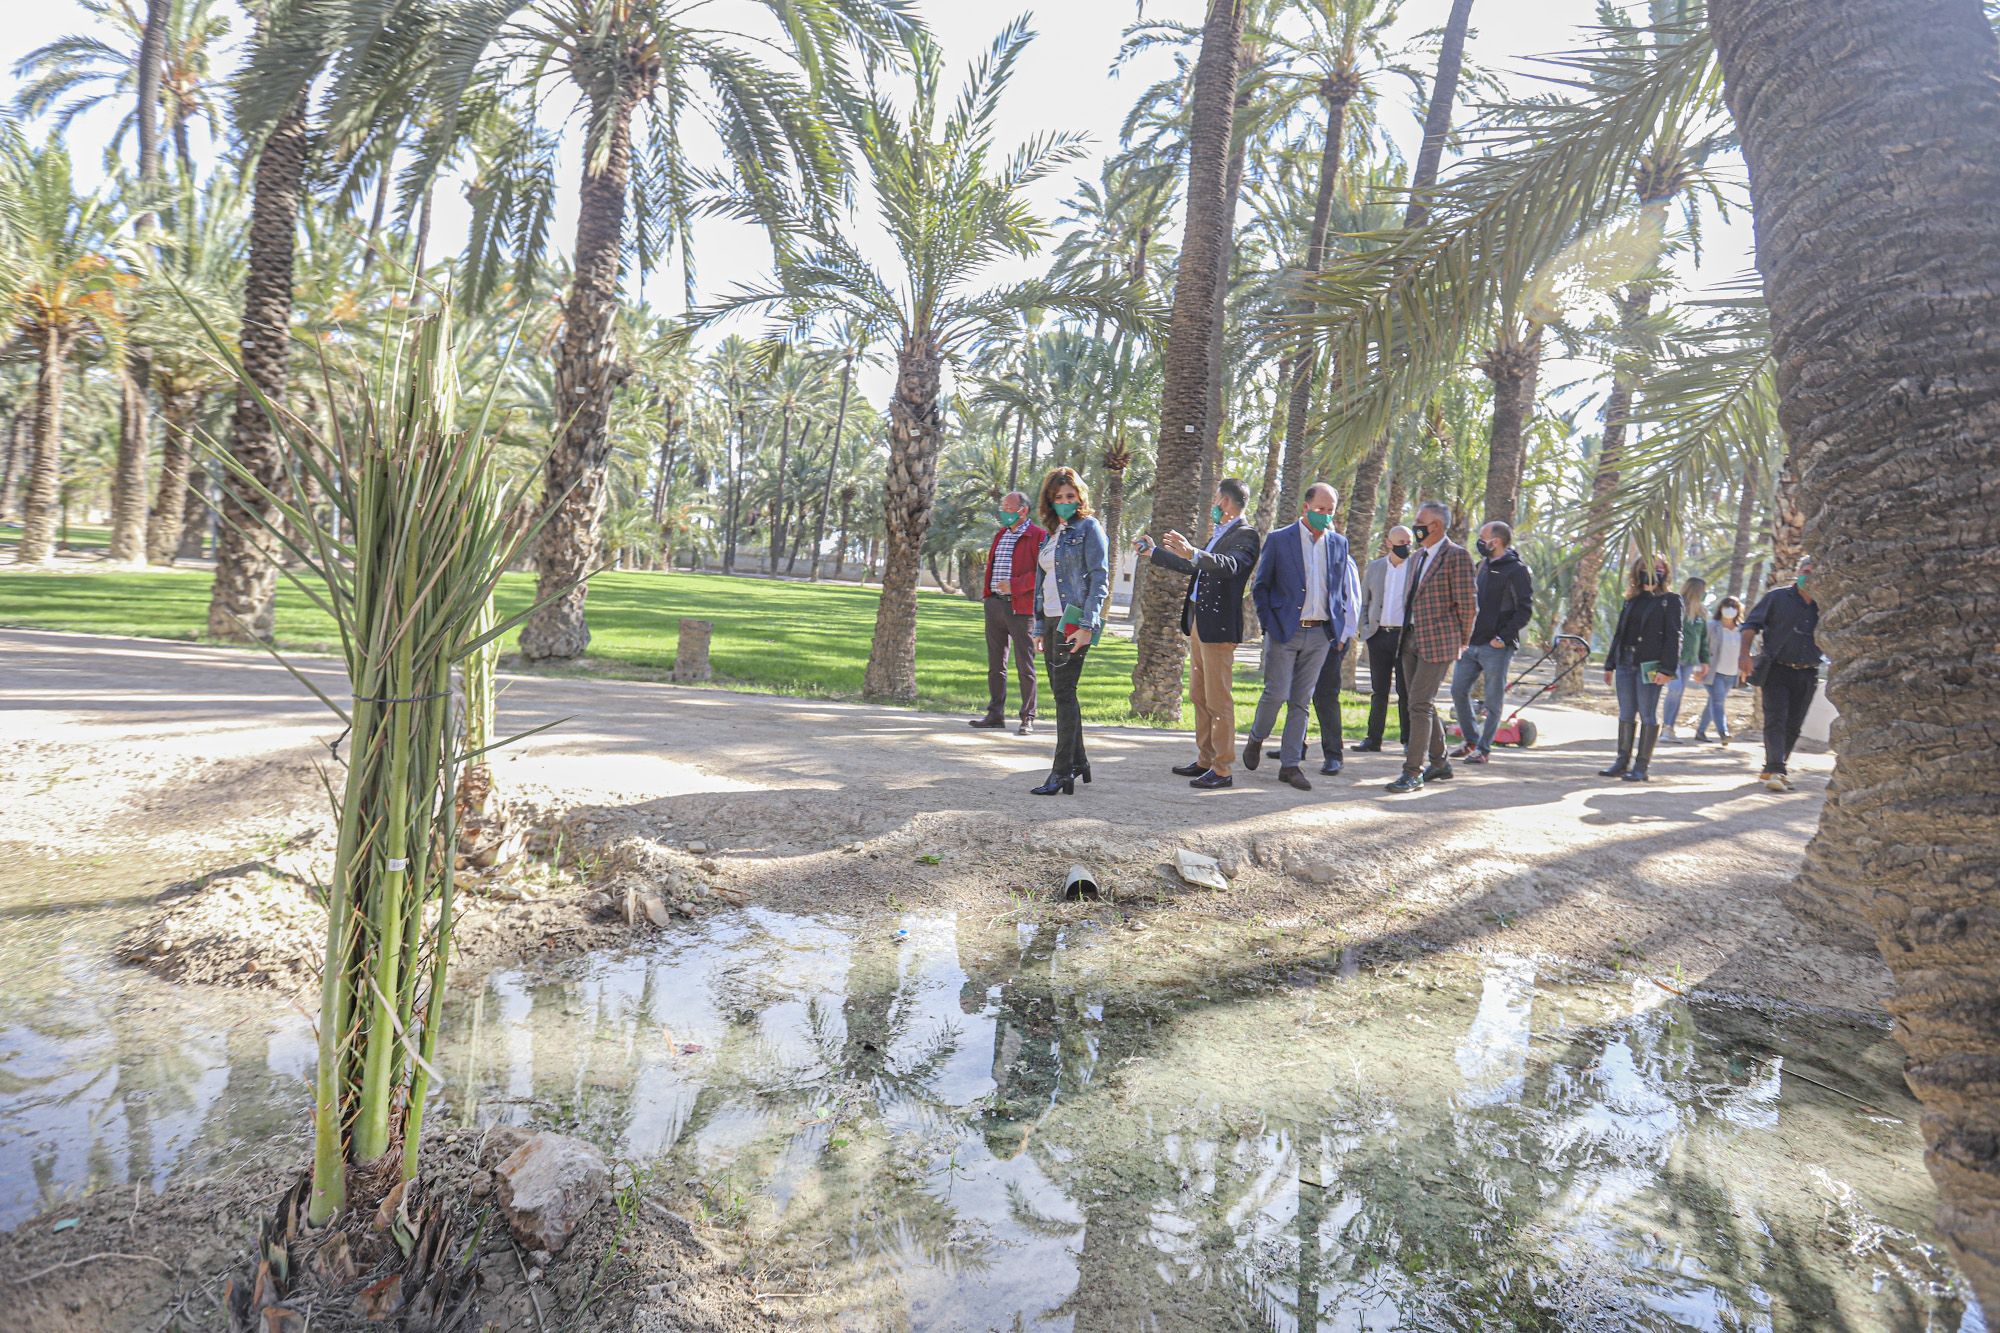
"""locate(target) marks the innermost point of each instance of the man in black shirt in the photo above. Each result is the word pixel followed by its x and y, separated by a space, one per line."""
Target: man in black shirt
pixel 1787 671
pixel 1506 604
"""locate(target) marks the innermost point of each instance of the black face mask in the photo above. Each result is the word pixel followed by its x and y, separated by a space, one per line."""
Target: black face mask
pixel 1484 547
pixel 1423 531
pixel 1402 550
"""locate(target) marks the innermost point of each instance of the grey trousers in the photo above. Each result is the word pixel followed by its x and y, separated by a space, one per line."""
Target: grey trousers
pixel 1003 628
pixel 1291 674
pixel 1426 727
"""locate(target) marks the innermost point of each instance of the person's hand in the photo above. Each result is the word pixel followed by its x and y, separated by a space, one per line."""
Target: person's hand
pixel 1743 666
pixel 1701 673
pixel 1497 643
pixel 1038 642
pixel 1076 635
pixel 1142 544
pixel 1661 678
pixel 1177 544
pixel 1607 677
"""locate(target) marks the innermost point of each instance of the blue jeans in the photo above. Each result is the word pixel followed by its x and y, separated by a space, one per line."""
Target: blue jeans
pixel 1720 683
pixel 1638 697
pixel 1675 688
pixel 1472 661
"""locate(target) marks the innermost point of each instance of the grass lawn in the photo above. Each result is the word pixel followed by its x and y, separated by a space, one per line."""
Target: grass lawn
pixel 774 637
pixel 82 536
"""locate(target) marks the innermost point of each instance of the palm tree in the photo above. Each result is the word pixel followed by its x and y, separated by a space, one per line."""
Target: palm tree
pixel 60 295
pixel 169 44
pixel 639 65
pixel 1156 678
pixel 950 211
pixel 1872 130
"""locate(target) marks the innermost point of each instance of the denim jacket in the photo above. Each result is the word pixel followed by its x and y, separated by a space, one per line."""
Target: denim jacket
pixel 1083 575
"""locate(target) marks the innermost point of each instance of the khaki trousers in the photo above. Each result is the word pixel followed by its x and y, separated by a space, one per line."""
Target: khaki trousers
pixel 1212 688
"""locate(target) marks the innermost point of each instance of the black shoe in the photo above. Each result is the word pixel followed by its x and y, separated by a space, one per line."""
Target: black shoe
pixel 1058 782
pixel 1407 782
pixel 1291 777
pixel 1253 752
pixel 1331 767
pixel 1438 772
pixel 1368 747
pixel 1084 772
pixel 1627 732
pixel 986 723
pixel 1212 781
pixel 1194 770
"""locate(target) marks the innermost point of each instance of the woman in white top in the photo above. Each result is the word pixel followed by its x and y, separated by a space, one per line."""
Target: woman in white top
pixel 1725 646
pixel 1072 584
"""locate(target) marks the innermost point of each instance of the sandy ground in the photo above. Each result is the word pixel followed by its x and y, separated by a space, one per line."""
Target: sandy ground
pixel 112 746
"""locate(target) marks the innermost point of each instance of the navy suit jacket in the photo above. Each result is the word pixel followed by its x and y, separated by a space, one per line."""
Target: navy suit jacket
pixel 1280 586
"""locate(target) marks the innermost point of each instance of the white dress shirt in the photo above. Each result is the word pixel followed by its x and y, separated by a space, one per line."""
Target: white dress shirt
pixel 1317 606
pixel 1194 586
pixel 1052 602
pixel 1394 579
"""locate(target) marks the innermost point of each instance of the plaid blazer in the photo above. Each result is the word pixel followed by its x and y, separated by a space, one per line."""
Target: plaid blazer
pixel 1443 606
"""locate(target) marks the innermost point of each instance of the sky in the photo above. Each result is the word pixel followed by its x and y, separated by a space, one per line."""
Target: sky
pixel 1065 82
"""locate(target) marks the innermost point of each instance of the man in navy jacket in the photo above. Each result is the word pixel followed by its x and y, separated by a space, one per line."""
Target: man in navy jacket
pixel 1308 601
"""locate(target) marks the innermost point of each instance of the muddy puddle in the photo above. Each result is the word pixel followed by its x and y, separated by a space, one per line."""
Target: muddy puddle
pixel 1011 1126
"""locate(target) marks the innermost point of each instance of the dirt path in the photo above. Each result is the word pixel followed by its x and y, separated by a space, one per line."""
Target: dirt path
pixel 112 746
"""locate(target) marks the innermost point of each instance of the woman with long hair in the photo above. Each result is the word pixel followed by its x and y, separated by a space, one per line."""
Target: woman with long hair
pixel 1725 646
pixel 1072 584
pixel 1645 651
pixel 1696 660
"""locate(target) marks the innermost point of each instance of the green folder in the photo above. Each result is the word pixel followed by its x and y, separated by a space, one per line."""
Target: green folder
pixel 1072 615
pixel 1648 670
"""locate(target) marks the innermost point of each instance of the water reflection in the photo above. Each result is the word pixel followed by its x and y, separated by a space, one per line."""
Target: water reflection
pixel 1027 1127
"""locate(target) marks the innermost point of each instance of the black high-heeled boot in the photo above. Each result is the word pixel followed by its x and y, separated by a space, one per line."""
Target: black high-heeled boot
pixel 1083 771
pixel 1649 736
pixel 1058 782
pixel 1627 733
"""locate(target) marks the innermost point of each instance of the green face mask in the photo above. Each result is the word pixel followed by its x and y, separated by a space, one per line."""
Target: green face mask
pixel 1066 511
pixel 1009 517
pixel 1319 522
pixel 1215 513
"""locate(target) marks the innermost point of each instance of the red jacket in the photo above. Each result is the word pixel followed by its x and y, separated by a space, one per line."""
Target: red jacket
pixel 1027 550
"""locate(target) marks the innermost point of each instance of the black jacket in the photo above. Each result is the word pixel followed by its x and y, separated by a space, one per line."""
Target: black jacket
pixel 1506 600
pixel 1649 625
pixel 1224 574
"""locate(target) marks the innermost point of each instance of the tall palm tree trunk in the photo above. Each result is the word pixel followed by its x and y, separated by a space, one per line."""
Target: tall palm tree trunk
pixel 1746 513
pixel 840 542
pixel 1156 678
pixel 196 514
pixel 1511 367
pixel 833 466
pixel 1267 486
pixel 38 514
pixel 1423 177
pixel 128 483
pixel 246 567
pixel 1305 357
pixel 778 503
pixel 1014 459
pixel 916 421
pixel 1580 618
pixel 1872 133
pixel 163 528
pixel 10 463
pixel 574 476
pixel 1218 361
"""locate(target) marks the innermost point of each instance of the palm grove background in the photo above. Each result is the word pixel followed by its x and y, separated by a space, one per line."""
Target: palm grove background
pixel 1272 272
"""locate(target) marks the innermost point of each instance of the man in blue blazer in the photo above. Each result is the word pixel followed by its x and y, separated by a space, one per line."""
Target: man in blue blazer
pixel 1308 601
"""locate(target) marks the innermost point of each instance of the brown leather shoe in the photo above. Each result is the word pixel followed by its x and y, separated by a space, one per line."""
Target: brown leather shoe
pixel 1292 777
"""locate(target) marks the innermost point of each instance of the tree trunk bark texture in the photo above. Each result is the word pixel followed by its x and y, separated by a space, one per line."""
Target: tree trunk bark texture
pixel 586 364
pixel 1746 514
pixel 916 423
pixel 1509 366
pixel 1114 522
pixel 778 502
pixel 1872 133
pixel 833 466
pixel 1156 678
pixel 163 528
pixel 38 513
pixel 1580 618
pixel 1218 360
pixel 128 486
pixel 246 567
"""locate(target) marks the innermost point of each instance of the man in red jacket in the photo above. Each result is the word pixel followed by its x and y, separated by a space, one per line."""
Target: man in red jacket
pixel 1010 611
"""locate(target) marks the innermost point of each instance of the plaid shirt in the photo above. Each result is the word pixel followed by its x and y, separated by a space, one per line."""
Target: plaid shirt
pixel 1002 581
pixel 1442 607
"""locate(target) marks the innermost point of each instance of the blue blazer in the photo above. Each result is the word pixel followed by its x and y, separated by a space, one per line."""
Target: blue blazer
pixel 1280 586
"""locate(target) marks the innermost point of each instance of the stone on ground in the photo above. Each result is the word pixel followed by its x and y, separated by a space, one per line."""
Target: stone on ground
pixel 547 1186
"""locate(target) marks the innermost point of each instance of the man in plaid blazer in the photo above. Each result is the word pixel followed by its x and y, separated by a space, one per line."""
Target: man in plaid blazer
pixel 1438 610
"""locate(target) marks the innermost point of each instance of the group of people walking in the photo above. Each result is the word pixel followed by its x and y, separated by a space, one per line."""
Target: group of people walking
pixel 1425 611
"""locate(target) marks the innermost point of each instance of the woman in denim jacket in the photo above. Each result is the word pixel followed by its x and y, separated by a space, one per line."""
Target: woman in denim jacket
pixel 1074 571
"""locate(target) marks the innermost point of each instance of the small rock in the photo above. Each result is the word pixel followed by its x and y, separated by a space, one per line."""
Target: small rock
pixel 500 1143
pixel 698 847
pixel 1204 872
pixel 481 1184
pixel 540 1258
pixel 656 910
pixel 597 904
pixel 708 867
pixel 547 1187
